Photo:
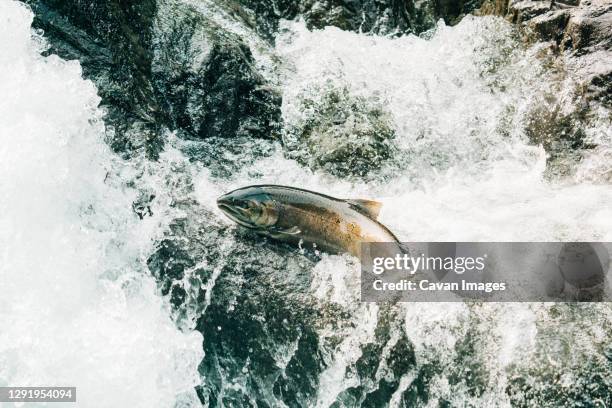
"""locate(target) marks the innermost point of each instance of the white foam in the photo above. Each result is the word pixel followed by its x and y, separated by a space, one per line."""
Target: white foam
pixel 459 103
pixel 76 304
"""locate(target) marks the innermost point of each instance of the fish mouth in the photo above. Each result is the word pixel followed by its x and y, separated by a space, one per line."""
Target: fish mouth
pixel 236 214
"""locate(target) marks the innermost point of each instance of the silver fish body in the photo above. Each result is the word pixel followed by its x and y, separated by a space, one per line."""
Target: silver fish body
pixel 295 215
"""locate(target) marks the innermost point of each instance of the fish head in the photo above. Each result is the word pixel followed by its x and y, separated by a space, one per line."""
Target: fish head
pixel 250 207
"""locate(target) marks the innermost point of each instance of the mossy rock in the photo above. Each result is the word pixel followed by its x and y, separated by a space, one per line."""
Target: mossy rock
pixel 339 133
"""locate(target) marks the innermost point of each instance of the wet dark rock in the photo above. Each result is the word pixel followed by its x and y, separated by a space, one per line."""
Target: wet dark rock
pixel 520 11
pixel 586 385
pixel 384 17
pixel 224 157
pixel 267 14
pixel 168 264
pixel 493 7
pixel 578 35
pixel 248 297
pixel 205 79
pixel 161 66
pixel 342 134
pixel 260 323
pixel 595 69
pixel 589 27
pixel 452 11
pixel 470 367
pixel 582 37
pixel 580 30
pixel 580 26
pixel 570 372
pixel 368 16
pixel 112 41
pixel 561 134
pixel 260 329
pixel 550 26
pixel 381 365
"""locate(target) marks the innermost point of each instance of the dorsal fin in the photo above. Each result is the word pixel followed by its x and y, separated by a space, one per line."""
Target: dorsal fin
pixel 366 207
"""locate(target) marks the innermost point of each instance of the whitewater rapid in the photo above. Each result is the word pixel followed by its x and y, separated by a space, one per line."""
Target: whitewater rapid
pixel 79 307
pixel 458 103
pixel 77 304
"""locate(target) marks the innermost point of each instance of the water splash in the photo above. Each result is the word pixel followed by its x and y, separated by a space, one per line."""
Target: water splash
pixel 77 305
pixel 279 328
pixel 458 103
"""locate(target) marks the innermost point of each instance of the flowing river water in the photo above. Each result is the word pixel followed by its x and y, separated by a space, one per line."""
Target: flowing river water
pixel 183 308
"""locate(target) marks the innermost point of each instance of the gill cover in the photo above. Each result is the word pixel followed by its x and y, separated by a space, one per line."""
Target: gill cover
pixel 250 207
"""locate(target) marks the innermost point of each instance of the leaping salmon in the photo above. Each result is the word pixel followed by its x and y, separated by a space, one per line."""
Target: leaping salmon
pixel 295 215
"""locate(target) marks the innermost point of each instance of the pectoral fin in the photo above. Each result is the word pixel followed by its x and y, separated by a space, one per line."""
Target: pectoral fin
pixel 366 207
pixel 277 233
